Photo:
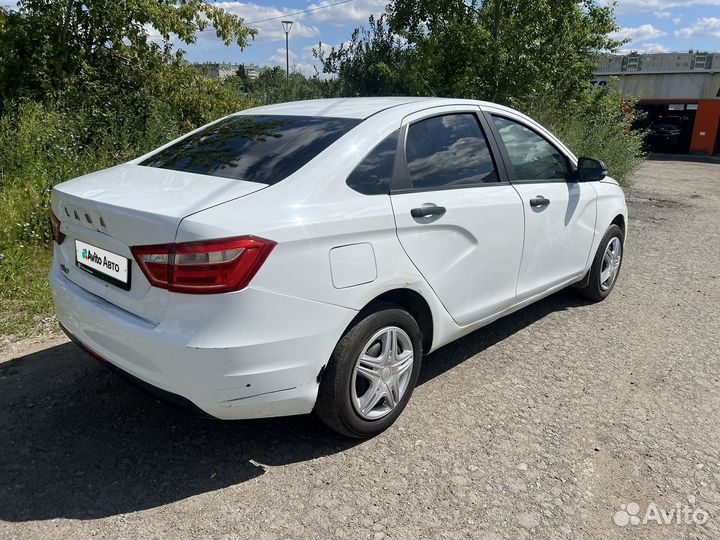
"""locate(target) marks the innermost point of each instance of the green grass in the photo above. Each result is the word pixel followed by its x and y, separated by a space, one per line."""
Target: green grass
pixel 25 299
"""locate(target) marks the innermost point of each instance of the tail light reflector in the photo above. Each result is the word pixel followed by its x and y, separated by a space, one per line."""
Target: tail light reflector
pixel 57 236
pixel 214 266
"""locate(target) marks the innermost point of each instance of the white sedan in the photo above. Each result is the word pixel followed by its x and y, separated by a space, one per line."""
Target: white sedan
pixel 304 256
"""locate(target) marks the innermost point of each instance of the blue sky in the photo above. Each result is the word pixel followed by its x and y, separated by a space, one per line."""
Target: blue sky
pixel 652 25
pixel 663 26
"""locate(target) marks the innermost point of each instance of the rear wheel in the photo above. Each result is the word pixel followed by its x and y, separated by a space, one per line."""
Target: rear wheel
pixel 371 373
pixel 605 269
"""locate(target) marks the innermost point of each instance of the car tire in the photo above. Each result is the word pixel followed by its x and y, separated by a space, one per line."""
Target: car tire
pixel 598 284
pixel 350 384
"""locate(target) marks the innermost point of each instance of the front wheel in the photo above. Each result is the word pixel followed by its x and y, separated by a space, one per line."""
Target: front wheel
pixel 371 373
pixel 605 269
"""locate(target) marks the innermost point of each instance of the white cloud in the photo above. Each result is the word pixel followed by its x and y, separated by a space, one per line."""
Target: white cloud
pixel 153 35
pixel 304 24
pixel 677 20
pixel 278 58
pixel 303 61
pixel 307 68
pixel 270 30
pixel 644 6
pixel 351 12
pixel 637 34
pixel 655 48
pixel 707 26
pixel 323 47
pixel 648 48
pixel 663 14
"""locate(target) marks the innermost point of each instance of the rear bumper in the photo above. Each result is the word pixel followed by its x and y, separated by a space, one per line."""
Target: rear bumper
pixel 162 395
pixel 249 354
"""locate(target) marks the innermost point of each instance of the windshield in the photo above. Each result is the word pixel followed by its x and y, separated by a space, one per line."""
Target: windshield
pixel 263 149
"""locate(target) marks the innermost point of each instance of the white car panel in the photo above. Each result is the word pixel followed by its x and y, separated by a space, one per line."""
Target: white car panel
pixel 610 205
pixel 341 108
pixel 141 300
pixel 157 194
pixel 239 355
pixel 558 237
pixel 352 265
pixel 478 243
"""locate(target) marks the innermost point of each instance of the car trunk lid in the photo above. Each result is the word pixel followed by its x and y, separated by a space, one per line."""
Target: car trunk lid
pixel 131 205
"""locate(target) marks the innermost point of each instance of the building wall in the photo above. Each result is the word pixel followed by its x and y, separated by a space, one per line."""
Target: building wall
pixel 252 71
pixel 657 62
pixel 219 71
pixel 707 122
pixel 685 86
pixel 225 71
pixel 692 79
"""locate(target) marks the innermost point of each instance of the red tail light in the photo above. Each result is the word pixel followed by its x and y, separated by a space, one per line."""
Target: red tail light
pixel 214 266
pixel 57 236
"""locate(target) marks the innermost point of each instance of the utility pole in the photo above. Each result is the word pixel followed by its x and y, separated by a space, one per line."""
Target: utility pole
pixel 497 4
pixel 287 25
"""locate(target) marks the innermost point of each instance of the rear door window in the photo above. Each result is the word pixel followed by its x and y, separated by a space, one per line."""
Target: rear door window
pixel 254 148
pixel 448 151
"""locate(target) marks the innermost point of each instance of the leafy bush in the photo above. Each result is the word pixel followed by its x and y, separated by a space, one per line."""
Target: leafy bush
pixel 273 86
pixel 597 125
pixel 41 146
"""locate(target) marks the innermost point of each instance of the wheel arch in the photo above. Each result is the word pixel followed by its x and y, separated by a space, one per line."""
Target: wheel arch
pixel 619 220
pixel 414 303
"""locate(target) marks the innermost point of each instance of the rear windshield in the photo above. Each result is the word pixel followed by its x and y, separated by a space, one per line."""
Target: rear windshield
pixel 262 149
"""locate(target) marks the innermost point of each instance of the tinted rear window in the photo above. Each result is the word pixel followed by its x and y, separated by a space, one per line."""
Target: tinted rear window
pixel 262 149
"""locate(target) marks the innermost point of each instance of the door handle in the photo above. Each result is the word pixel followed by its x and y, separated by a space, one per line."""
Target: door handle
pixel 538 201
pixel 425 211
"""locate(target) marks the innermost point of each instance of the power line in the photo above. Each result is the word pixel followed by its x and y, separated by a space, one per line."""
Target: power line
pixel 299 12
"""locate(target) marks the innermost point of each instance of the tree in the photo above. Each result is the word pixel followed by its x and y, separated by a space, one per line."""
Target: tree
pixel 374 62
pixel 46 46
pixel 504 50
pixel 272 86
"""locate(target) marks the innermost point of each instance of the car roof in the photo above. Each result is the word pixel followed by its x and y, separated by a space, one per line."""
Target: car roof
pixel 356 107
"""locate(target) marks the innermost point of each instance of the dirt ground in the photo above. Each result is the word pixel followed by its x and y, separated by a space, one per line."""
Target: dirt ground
pixel 543 424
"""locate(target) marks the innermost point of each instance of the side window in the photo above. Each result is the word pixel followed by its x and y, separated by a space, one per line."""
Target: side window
pixel 532 157
pixel 448 151
pixel 374 173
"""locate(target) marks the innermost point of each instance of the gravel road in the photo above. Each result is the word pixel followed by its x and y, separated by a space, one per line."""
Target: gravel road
pixel 540 425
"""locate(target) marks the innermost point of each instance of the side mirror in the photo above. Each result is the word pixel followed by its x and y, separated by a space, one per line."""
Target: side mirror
pixel 590 170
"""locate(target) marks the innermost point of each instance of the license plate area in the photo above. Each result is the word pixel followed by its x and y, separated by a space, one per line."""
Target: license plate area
pixel 103 264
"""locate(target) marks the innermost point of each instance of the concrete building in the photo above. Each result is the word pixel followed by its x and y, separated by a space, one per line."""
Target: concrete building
pixel 253 71
pixel 675 89
pixel 219 71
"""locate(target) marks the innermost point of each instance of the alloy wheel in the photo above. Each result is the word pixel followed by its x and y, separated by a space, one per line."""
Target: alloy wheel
pixel 610 263
pixel 382 373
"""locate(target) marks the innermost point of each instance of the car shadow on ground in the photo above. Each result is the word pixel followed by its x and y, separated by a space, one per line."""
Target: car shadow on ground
pixel 79 442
